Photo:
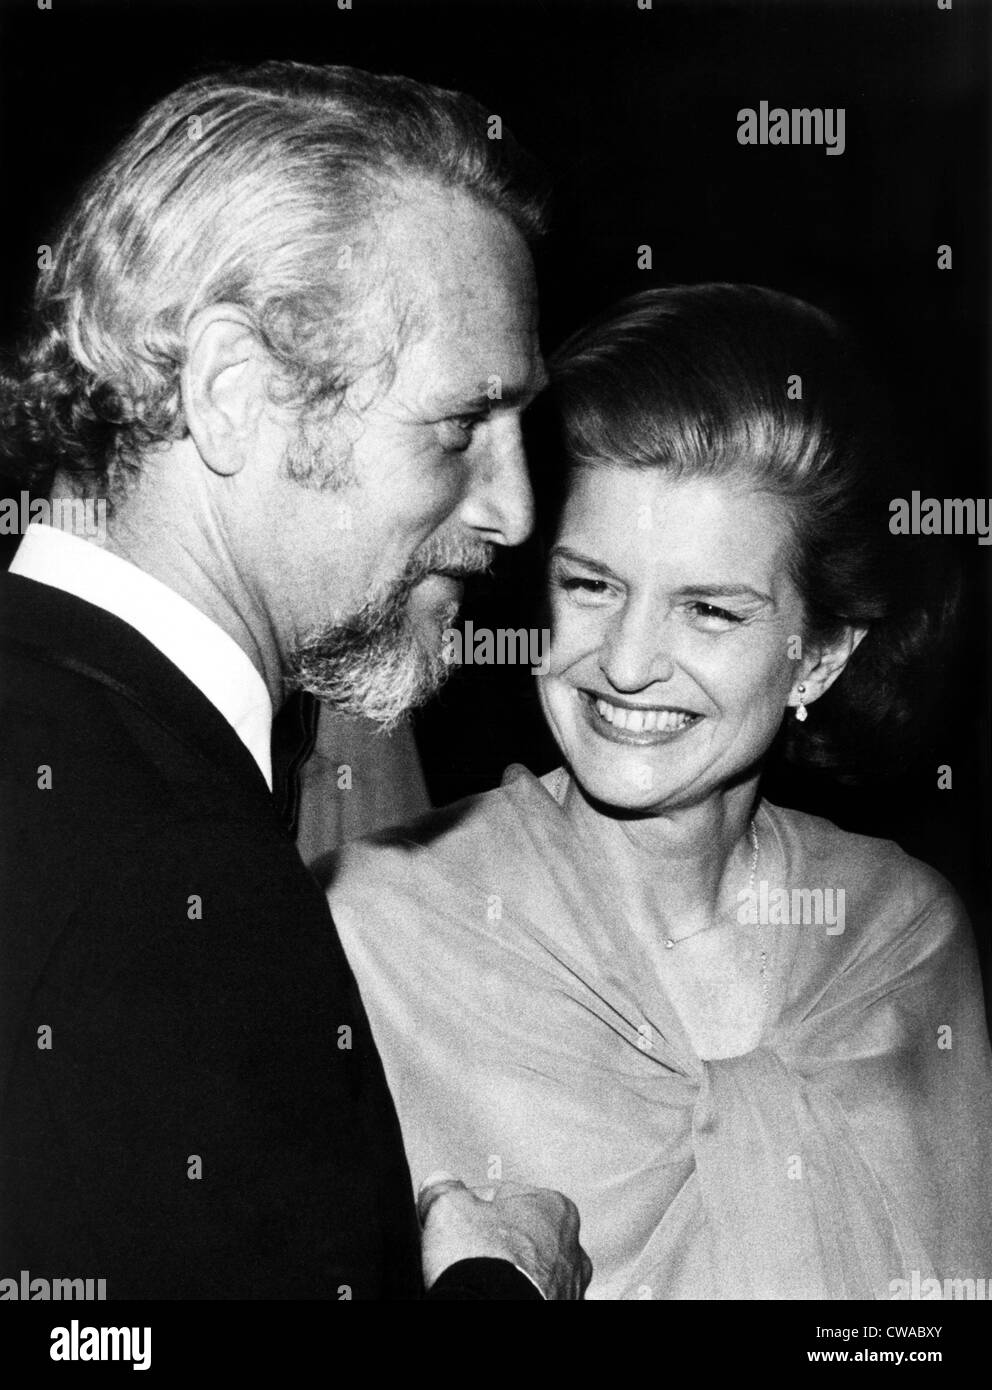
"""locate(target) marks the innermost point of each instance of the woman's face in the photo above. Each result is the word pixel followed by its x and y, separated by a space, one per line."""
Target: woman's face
pixel 672 614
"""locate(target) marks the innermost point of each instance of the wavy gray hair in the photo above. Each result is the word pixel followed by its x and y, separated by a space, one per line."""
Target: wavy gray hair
pixel 259 188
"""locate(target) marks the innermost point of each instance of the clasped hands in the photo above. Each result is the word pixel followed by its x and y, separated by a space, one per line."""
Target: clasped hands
pixel 535 1229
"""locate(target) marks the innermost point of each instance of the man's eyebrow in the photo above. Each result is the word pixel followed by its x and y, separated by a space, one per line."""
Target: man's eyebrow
pixel 509 396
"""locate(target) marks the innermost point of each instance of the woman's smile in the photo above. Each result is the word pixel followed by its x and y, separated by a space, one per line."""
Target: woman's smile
pixel 637 725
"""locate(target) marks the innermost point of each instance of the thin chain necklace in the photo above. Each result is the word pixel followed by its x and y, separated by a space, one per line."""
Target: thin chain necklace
pixel 670 942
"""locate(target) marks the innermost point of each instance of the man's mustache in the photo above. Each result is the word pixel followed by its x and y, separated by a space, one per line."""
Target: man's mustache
pixel 388 608
pixel 457 558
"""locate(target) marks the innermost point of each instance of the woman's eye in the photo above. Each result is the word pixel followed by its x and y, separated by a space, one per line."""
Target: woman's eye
pixel 582 587
pixel 714 617
pixel 455 433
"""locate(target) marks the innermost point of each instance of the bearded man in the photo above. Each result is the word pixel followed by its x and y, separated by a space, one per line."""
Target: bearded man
pixel 287 334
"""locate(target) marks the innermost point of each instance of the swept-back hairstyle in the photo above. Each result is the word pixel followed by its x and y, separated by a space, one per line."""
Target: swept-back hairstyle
pixel 257 187
pixel 744 383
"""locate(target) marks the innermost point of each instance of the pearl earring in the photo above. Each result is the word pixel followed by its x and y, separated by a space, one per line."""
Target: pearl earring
pixel 801 712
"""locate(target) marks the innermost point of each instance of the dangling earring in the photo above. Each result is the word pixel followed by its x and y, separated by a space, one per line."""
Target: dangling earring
pixel 801 711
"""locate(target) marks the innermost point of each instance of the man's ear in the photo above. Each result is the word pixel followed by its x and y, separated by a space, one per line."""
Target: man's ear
pixel 223 385
pixel 822 667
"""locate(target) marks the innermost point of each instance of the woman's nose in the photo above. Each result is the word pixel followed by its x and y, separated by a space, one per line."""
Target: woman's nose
pixel 637 652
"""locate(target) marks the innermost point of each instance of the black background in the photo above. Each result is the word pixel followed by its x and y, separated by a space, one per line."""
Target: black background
pixel 635 114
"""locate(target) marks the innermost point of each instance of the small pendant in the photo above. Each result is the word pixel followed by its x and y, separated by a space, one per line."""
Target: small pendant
pixel 669 943
pixel 801 714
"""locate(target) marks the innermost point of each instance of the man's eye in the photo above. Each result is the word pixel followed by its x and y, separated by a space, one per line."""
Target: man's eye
pixel 713 617
pixel 455 433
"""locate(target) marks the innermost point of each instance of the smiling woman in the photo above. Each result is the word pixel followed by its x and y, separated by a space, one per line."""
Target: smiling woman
pixel 665 684
pixel 762 404
pixel 784 1103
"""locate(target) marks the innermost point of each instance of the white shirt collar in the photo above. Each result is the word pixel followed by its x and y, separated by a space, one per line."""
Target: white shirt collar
pixel 204 652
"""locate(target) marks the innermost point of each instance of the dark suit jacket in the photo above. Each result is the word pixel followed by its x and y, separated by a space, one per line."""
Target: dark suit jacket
pixel 192 1105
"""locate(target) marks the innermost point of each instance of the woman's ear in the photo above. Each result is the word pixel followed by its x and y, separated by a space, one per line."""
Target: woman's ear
pixel 223 386
pixel 821 668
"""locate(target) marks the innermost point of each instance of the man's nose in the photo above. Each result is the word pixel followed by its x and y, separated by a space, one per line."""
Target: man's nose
pixel 499 502
pixel 638 649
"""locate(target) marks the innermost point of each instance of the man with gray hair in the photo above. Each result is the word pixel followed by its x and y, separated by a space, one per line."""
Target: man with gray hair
pixel 287 335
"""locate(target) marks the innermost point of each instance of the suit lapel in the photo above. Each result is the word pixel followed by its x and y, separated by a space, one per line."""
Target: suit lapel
pixel 52 627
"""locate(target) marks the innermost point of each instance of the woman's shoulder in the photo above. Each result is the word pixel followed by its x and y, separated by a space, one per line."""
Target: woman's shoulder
pixel 463 840
pixel 867 867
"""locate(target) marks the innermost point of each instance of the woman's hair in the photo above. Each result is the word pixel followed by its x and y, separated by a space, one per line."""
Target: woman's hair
pixel 752 385
pixel 257 187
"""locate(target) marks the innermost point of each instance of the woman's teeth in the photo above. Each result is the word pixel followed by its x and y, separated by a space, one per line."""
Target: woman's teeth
pixel 645 721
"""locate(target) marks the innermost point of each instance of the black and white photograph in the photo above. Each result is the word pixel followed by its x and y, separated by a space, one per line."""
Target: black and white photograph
pixel 495 517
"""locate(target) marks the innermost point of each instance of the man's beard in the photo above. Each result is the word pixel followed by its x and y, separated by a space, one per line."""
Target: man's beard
pixel 374 664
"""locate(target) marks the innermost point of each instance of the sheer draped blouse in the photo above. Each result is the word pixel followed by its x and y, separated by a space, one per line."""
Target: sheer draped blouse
pixel 526 1035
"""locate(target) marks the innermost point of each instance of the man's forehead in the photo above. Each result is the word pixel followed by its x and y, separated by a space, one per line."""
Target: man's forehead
pixel 494 300
pixel 467 277
pixel 517 388
pixel 472 326
pixel 463 355
pixel 459 255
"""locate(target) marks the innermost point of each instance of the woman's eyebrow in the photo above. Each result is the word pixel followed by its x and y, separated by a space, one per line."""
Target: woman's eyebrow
pixel 565 552
pixel 724 591
pixel 728 590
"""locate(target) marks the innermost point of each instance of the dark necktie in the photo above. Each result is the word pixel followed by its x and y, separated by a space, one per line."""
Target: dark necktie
pixel 294 731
